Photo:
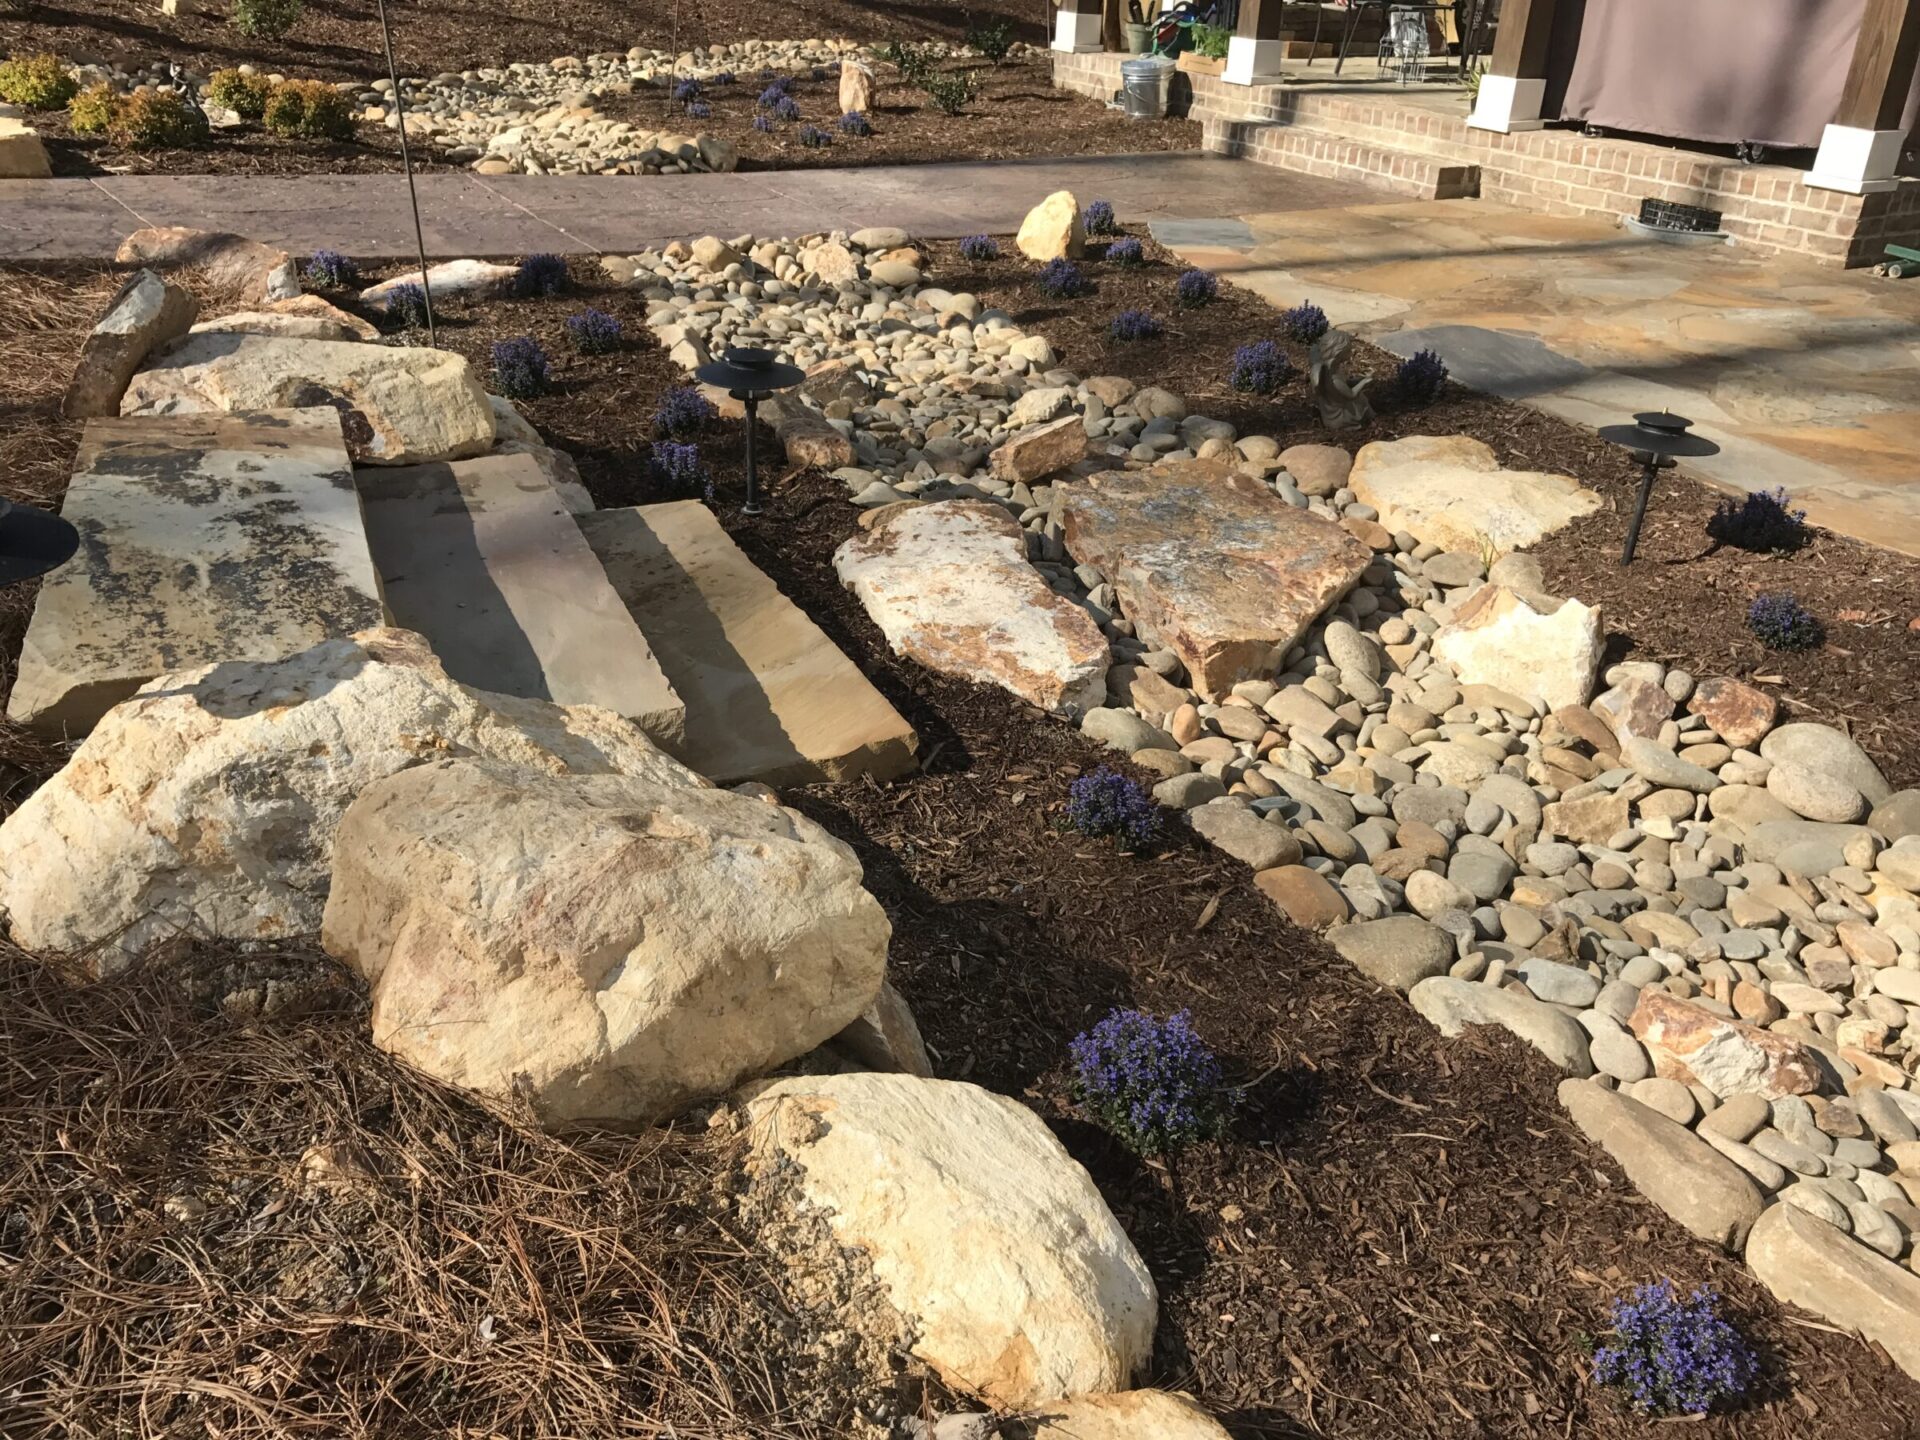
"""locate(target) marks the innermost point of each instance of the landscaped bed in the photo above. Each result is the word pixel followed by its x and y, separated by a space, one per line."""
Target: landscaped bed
pixel 1397 1233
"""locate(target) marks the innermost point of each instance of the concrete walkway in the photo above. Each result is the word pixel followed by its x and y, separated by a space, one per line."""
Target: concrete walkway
pixel 367 216
pixel 1807 377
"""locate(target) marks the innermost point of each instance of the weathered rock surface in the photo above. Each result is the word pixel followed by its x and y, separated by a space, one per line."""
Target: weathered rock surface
pixel 1825 751
pixel 1500 638
pixel 1450 491
pixel 805 435
pixel 987 1234
pixel 1399 951
pixel 856 87
pixel 143 315
pixel 1041 450
pixel 1210 562
pixel 208 804
pixel 950 586
pixel 1452 1005
pixel 304 317
pixel 466 279
pixel 1809 1263
pixel 1052 229
pixel 1230 826
pixel 202 538
pixel 885 1037
pixel 22 155
pixel 244 269
pixel 1132 1415
pixel 1740 714
pixel 398 406
pixel 605 947
pixel 1668 1163
pixel 1729 1057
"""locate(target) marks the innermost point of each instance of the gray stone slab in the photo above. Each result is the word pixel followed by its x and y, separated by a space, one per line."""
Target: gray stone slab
pixel 483 558
pixel 203 538
pixel 1517 367
pixel 769 697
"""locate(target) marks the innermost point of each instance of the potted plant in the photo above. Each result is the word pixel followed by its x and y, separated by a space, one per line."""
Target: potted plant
pixel 1208 52
pixel 1136 29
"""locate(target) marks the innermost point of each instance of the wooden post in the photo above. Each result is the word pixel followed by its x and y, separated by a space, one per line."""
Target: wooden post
pixel 1860 150
pixel 1515 84
pixel 1256 48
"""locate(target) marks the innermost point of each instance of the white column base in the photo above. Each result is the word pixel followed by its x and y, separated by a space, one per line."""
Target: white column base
pixel 1076 34
pixel 1857 161
pixel 1249 59
pixel 1508 103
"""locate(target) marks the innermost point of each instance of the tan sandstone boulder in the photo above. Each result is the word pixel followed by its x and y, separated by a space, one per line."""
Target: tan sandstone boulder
pixel 856 86
pixel 988 1236
pixel 1052 229
pixel 1501 638
pixel 243 269
pixel 145 314
pixel 604 947
pixel 1449 490
pixel 208 802
pixel 1130 1415
pixel 398 406
pixel 1806 1262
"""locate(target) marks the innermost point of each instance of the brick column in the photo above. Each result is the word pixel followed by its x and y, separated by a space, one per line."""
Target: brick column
pixel 1076 27
pixel 1256 49
pixel 1512 90
pixel 1860 150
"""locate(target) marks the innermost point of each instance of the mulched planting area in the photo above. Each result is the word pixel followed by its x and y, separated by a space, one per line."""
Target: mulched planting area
pixel 1401 1235
pixel 248 150
pixel 1681 602
pixel 341 40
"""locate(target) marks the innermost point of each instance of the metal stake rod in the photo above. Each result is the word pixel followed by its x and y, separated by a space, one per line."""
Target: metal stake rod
pixel 406 161
pixel 752 507
pixel 1640 508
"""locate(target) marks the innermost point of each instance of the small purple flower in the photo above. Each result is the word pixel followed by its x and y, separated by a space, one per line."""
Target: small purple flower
pixel 330 270
pixel 683 411
pixel 520 369
pixel 780 89
pixel 1762 522
pixel 1061 279
pixel 1260 368
pixel 1126 252
pixel 408 304
pixel 1419 377
pixel 540 276
pixel 786 108
pixel 1673 1356
pixel 1304 323
pixel 1097 218
pixel 855 122
pixel 725 77
pixel 813 137
pixel 1781 622
pixel 1136 325
pixel 687 89
pixel 764 124
pixel 1152 1082
pixel 699 110
pixel 594 332
pixel 979 249
pixel 1195 288
pixel 678 469
pixel 1107 803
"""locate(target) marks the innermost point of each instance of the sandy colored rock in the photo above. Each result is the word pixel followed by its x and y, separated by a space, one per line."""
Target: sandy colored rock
pixel 245 269
pixel 1740 714
pixel 1667 1163
pixel 885 1037
pixel 398 405
pixel 769 697
pixel 22 155
pixel 1021 1285
pixel 809 441
pixel 1500 638
pixel 1729 1057
pixel 950 586
pixel 604 947
pixel 464 279
pixel 1041 450
pixel 856 87
pixel 143 315
pixel 1304 896
pixel 1052 229
pixel 1316 469
pixel 1634 709
pixel 209 802
pixel 834 264
pixel 1209 563
pixel 1588 820
pixel 1131 1415
pixel 1451 1005
pixel 304 317
pixel 1806 1262
pixel 1450 491
pixel 203 538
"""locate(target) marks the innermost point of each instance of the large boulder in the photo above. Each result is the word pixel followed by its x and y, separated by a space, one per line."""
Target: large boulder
pixel 22 156
pixel 208 802
pixel 1210 563
pixel 1806 1262
pixel 604 947
pixel 466 279
pixel 856 86
pixel 143 315
pixel 398 406
pixel 305 317
pixel 227 264
pixel 1450 491
pixel 1729 1057
pixel 1824 751
pixel 1131 1415
pixel 1052 230
pixel 950 586
pixel 987 1235
pixel 1504 639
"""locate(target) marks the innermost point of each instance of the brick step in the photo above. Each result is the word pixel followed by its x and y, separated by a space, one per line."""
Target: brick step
pixel 1341 157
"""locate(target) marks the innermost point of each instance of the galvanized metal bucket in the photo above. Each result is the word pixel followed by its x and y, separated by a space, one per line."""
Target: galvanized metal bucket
pixel 1143 86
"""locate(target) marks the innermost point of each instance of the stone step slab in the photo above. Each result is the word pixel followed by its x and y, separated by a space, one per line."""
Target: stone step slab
pixel 203 538
pixel 769 697
pixel 1209 563
pixel 1450 491
pixel 484 559
pixel 1807 1262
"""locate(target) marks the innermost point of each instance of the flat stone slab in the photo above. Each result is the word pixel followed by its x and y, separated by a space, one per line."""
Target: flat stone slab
pixel 203 538
pixel 1807 1262
pixel 769 697
pixel 1210 563
pixel 1449 490
pixel 483 558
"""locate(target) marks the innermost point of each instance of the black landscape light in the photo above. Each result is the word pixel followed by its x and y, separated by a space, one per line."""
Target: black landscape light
pixel 750 376
pixel 1657 438
pixel 32 542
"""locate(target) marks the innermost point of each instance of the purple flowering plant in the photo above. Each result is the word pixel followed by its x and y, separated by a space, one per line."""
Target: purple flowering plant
pixel 764 124
pixel 813 137
pixel 1127 250
pixel 330 270
pixel 979 249
pixel 1780 622
pixel 1674 1355
pixel 855 122
pixel 1762 522
pixel 1106 803
pixel 1305 322
pixel 520 369
pixel 1260 368
pixel 1152 1082
pixel 594 332
pixel 678 469
pixel 1135 325
pixel 408 304
pixel 540 276
pixel 682 411
pixel 1420 376
pixel 1195 288
pixel 1097 218
pixel 1061 279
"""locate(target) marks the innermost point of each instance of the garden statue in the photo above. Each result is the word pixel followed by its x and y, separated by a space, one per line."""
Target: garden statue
pixel 1339 395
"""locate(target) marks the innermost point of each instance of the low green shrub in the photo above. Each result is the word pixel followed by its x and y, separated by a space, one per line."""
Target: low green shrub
pixel 949 93
pixel 245 95
pixel 268 18
pixel 308 110
pixel 94 109
pixel 157 120
pixel 39 82
pixel 992 38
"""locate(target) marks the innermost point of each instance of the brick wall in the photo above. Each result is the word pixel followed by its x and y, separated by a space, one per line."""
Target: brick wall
pixel 1415 146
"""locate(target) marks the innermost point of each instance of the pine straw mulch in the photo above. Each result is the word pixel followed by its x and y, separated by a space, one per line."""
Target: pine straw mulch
pixel 1682 602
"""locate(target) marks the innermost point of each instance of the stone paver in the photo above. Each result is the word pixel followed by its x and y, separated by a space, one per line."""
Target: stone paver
pixel 1803 375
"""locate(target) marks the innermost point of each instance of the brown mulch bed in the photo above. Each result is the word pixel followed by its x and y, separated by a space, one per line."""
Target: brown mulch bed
pixel 340 39
pixel 1402 1235
pixel 1680 602
pixel 248 150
